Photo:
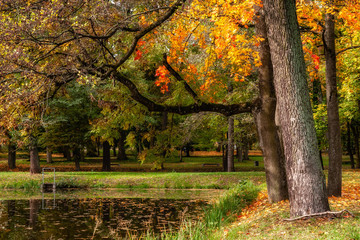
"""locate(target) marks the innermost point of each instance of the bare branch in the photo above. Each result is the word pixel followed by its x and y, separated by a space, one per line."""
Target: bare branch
pixel 322 214
pixel 345 49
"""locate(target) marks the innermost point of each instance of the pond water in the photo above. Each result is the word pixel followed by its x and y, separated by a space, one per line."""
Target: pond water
pixel 99 214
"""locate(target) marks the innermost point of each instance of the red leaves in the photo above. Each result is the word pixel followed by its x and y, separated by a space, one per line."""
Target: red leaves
pixel 163 79
pixel 138 55
pixel 316 60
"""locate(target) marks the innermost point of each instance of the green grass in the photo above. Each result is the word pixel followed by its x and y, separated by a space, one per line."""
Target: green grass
pixel 23 180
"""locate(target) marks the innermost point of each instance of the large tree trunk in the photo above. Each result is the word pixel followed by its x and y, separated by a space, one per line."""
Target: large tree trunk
pixel 230 149
pixel 34 156
pixel 269 139
pixel 106 157
pixel 121 145
pixel 11 155
pixel 335 151
pixel 305 178
pixel 349 146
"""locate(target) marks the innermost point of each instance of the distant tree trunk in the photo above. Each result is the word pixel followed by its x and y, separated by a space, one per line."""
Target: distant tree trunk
pixel 91 150
pixel 264 114
pixel 349 146
pixel 77 157
pixel 224 157
pixel 49 158
pixel 106 157
pixel 245 150
pixel 98 144
pixel 230 155
pixel 67 154
pixel 356 141
pixel 114 147
pixel 305 178
pixel 239 152
pixel 34 156
pixel 187 151
pixel 335 151
pixel 121 145
pixel 11 155
pixel 181 150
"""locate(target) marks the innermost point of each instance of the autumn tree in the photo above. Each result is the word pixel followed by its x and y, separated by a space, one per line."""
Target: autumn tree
pixel 108 44
pixel 305 179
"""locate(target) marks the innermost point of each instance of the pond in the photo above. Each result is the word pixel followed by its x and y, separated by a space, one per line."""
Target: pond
pixel 99 214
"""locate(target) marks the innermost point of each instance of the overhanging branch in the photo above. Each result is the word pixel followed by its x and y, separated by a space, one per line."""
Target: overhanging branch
pixel 226 110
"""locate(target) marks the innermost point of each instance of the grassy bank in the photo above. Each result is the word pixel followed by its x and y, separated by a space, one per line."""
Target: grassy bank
pixel 262 220
pixel 23 180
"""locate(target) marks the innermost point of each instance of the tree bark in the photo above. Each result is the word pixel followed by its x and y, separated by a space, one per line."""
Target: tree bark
pixel 49 158
pixel 245 149
pixel 11 155
pixel 67 154
pixel 121 145
pixel 349 146
pixel 77 157
pixel 34 156
pixel 224 157
pixel 106 157
pixel 239 152
pixel 114 147
pixel 305 178
pixel 91 150
pixel 335 151
pixel 355 131
pixel 274 160
pixel 230 149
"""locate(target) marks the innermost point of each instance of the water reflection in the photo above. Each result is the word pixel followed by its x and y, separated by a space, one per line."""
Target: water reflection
pixel 95 218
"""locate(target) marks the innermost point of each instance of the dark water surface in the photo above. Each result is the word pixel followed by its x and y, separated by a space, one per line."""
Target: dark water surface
pixel 59 216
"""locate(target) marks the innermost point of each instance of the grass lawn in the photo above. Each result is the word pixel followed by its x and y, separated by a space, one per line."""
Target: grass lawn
pixel 219 180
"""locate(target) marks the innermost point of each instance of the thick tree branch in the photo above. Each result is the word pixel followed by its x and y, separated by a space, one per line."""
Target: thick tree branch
pixel 180 79
pixel 226 110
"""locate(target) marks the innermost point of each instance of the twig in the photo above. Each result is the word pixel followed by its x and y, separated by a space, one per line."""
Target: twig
pixel 327 213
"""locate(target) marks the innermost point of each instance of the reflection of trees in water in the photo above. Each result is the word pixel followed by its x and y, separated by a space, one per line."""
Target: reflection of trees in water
pixel 82 218
pixel 34 205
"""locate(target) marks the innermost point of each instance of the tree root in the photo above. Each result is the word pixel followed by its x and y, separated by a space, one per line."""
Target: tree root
pixel 328 214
